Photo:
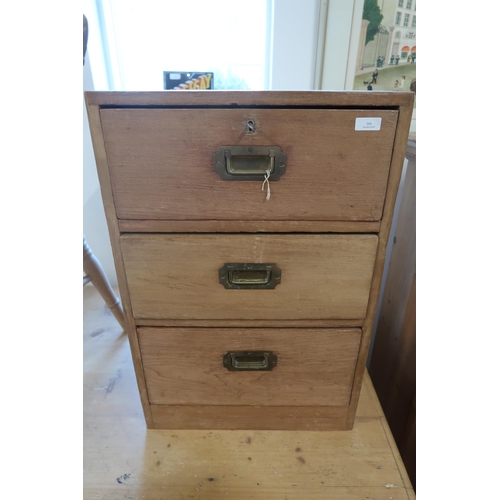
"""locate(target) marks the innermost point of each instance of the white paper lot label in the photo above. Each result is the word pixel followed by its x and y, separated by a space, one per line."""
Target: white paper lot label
pixel 368 123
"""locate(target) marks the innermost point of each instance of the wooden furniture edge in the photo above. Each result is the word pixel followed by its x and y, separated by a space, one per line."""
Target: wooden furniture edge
pixel 315 418
pixel 288 98
pixel 228 226
pixel 214 323
pixel 114 233
pixel 397 161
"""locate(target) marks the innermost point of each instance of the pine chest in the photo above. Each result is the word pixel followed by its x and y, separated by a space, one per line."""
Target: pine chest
pixel 249 232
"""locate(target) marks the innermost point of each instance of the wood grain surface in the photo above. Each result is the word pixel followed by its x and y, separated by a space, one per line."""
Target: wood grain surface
pixel 232 99
pixel 184 366
pixel 161 163
pixel 246 226
pixel 285 418
pixel 177 277
pixel 156 172
pixel 253 323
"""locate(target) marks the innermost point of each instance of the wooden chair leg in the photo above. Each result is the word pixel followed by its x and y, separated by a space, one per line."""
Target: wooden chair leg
pixel 94 273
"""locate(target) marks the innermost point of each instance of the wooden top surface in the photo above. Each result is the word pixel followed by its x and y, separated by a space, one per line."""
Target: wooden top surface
pixel 250 98
pixel 122 459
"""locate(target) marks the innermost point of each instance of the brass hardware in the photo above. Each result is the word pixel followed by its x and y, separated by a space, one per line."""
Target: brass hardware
pixel 249 163
pixel 250 276
pixel 249 360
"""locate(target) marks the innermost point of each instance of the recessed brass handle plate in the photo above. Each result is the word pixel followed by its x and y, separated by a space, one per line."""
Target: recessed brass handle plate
pixel 249 360
pixel 249 163
pixel 239 276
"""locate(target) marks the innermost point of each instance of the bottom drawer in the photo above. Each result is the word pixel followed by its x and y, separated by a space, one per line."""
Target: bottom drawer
pixel 185 366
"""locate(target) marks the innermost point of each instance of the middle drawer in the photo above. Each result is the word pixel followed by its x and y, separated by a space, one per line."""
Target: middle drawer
pixel 181 276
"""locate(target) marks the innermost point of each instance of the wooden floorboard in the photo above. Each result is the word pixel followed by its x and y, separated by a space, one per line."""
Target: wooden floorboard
pixel 125 460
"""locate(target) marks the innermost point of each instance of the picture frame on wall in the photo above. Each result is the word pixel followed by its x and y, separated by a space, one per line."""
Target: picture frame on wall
pixel 387 49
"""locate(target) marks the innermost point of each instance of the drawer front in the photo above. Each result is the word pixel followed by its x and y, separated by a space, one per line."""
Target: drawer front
pixel 178 276
pixel 185 366
pixel 161 163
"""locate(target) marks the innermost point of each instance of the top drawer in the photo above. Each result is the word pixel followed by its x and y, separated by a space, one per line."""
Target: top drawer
pixel 161 163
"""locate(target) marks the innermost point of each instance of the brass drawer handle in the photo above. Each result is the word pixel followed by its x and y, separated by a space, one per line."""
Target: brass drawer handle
pixel 250 276
pixel 249 360
pixel 249 163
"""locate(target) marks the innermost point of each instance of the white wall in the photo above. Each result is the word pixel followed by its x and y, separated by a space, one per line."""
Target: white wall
pixel 94 222
pixel 294 44
pixel 343 26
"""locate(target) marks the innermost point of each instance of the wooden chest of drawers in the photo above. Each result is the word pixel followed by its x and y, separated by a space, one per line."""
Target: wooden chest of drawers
pixel 249 233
